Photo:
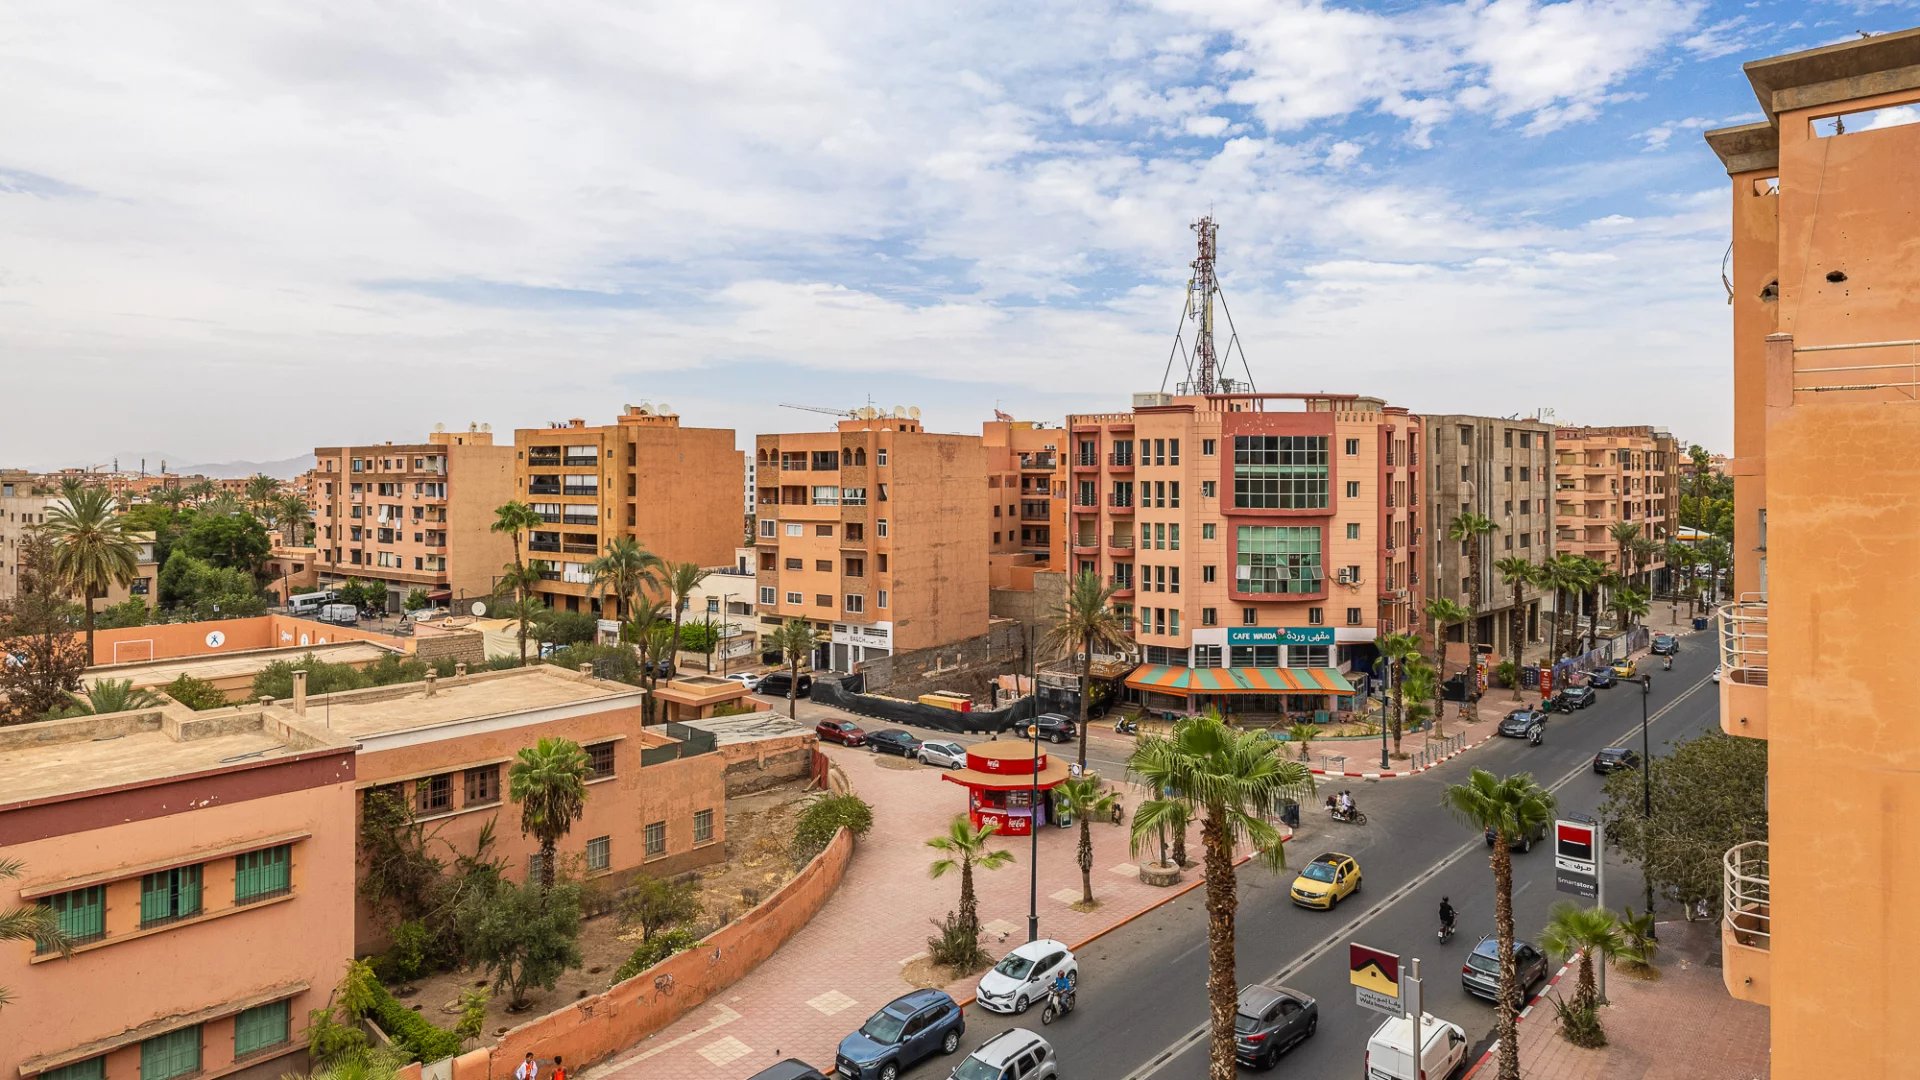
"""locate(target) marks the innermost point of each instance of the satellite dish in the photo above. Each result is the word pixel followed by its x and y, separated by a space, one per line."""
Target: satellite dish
pixel 486 427
pixel 478 609
pixel 899 412
pixel 666 409
pixel 913 411
pixel 439 428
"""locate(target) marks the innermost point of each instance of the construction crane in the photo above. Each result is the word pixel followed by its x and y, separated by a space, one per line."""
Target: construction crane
pixel 849 413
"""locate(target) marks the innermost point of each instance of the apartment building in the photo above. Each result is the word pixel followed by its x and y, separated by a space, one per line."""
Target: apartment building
pixel 413 515
pixel 644 477
pixel 725 600
pixel 1606 476
pixel 1502 470
pixel 1257 543
pixel 1022 459
pixel 22 511
pixel 202 865
pixel 1818 920
pixel 877 534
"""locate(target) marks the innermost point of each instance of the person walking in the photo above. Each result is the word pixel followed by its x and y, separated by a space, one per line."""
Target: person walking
pixel 528 1070
pixel 559 1070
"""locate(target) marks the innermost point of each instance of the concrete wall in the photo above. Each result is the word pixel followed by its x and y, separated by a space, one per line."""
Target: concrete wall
pixel 762 763
pixel 462 646
pixel 166 641
pixel 968 666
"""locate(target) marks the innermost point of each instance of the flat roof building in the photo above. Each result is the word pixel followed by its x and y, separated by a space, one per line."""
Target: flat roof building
pixel 1607 477
pixel 1503 470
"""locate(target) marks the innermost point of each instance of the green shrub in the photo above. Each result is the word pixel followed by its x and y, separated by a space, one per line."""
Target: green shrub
pixel 276 679
pixel 473 1012
pixel 615 662
pixel 408 957
pixel 1580 1025
pixel 1507 673
pixel 956 946
pixel 411 1031
pixel 655 949
pixel 391 669
pixel 196 694
pixel 566 627
pixel 824 817
pixel 501 663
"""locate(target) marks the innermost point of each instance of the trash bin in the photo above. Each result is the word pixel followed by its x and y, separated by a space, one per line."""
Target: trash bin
pixel 1290 814
pixel 1699 622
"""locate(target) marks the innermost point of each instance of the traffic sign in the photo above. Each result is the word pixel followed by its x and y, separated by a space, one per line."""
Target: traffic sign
pixel 1376 978
pixel 1576 855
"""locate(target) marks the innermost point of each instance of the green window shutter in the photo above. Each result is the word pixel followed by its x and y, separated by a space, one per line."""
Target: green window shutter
pixel 176 1053
pixel 259 874
pixel 169 894
pixel 82 914
pixel 259 1027
pixel 90 1069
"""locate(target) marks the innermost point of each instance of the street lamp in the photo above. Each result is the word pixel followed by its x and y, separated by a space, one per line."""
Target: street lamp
pixel 1386 691
pixel 1033 805
pixel 1646 786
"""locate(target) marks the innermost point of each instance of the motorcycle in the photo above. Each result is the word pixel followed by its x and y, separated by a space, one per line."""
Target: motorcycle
pixel 1058 1005
pixel 1446 933
pixel 1126 725
pixel 1357 817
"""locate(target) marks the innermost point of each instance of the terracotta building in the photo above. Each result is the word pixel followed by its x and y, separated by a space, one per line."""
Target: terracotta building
pixel 1022 458
pixel 1502 470
pixel 644 477
pixel 1606 476
pixel 876 533
pixel 1818 919
pixel 1258 543
pixel 413 515
pixel 22 511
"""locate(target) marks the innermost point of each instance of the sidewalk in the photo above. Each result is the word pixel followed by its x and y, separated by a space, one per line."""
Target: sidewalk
pixel 849 960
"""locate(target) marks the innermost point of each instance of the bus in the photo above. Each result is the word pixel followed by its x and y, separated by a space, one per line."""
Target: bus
pixel 310 603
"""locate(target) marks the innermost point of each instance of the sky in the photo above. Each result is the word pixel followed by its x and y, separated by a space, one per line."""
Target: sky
pixel 237 232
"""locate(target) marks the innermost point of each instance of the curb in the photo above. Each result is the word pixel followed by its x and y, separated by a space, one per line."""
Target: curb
pixel 1392 774
pixel 1524 1013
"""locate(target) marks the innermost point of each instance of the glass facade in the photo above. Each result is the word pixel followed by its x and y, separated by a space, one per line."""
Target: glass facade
pixel 1280 472
pixel 1278 559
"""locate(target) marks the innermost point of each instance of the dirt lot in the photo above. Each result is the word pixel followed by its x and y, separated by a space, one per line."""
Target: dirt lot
pixel 758 829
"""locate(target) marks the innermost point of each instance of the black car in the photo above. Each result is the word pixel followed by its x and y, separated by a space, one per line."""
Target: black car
pixel 1269 1022
pixel 1053 727
pixel 1601 678
pixel 1480 975
pixel 1525 841
pixel 776 683
pixel 1665 644
pixel 1578 697
pixel 1525 724
pixel 893 741
pixel 790 1069
pixel 1615 757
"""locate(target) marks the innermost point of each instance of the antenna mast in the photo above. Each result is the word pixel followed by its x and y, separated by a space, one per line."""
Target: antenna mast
pixel 1200 293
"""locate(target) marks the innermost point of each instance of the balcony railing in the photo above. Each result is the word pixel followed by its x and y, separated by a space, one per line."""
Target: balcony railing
pixel 1120 502
pixel 577 460
pixel 1037 463
pixel 1746 923
pixel 543 489
pixel 536 459
pixel 1743 666
pixel 1120 461
pixel 1895 378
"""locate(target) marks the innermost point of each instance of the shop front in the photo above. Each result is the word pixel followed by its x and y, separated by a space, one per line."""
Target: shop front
pixel 1250 691
pixel 1002 778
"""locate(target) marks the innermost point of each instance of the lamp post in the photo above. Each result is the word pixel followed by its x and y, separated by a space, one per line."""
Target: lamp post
pixel 1033 806
pixel 722 642
pixel 1386 692
pixel 1646 784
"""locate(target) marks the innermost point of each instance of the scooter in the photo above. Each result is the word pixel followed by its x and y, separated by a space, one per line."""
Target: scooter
pixel 1446 933
pixel 1358 817
pixel 1126 725
pixel 1058 1005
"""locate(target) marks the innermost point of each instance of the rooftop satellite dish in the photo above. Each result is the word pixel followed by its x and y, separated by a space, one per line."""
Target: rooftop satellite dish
pixel 478 609
pixel 899 412
pixel 438 428
pixel 486 427
pixel 666 409
pixel 868 412
pixel 913 411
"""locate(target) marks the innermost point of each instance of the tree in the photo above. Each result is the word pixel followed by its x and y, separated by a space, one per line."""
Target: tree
pixel 681 581
pixel 1422 693
pixel 416 600
pixel 1396 650
pixel 549 781
pixel 1709 796
pixel 963 847
pixel 29 922
pixel 699 637
pixel 1082 797
pixel 41 659
pixel 516 585
pixel 228 541
pixel 795 640
pixel 262 490
pixel 654 904
pixel 524 935
pixel 1623 534
pixel 196 694
pixel 565 628
pixel 1718 555
pixel 1511 806
pixel 514 518
pixel 1679 558
pixel 1600 581
pixel 295 518
pixel 110 696
pixel 129 612
pixel 201 490
pixel 1628 606
pixel 92 549
pixel 1233 781
pixel 623 572
pixel 1517 573
pixel 1444 614
pixel 197 590
pixel 1084 623
pixel 1592 932
pixel 1644 549
pixel 1472 530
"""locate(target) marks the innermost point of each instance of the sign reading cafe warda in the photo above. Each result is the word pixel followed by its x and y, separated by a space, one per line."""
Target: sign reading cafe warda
pixel 1280 635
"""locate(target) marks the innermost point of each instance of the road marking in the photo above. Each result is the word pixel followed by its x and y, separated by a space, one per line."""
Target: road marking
pixel 1199 1034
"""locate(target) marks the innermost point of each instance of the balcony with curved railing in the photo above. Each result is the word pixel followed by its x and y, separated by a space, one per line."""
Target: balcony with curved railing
pixel 1743 666
pixel 1746 926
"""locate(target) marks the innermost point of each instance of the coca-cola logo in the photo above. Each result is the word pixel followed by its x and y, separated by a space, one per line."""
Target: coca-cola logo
pixel 993 764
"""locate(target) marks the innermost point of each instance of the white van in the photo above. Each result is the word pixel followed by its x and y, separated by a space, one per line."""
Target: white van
pixel 1390 1049
pixel 308 603
pixel 339 614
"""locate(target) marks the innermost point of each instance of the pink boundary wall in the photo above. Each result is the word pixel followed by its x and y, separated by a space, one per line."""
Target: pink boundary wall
pixel 172 641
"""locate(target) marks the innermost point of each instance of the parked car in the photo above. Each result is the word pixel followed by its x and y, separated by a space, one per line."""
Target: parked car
pixel 1524 724
pixel 1327 880
pixel 906 1031
pixel 893 741
pixel 776 683
pixel 1624 667
pixel 745 678
pixel 1054 727
pixel 1443 1049
pixel 1480 975
pixel 947 755
pixel 790 1069
pixel 844 732
pixel 1525 841
pixel 1615 757
pixel 1601 678
pixel 1716 674
pixel 339 614
pixel 1015 1052
pixel 1579 697
pixel 1269 1021
pixel 1665 645
pixel 1021 977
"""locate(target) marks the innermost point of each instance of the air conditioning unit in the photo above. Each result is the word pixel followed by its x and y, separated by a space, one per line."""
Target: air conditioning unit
pixel 1343 577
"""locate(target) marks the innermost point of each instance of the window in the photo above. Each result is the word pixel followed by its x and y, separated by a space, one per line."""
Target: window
pixel 176 1053
pixel 1353 489
pixel 1173 620
pixel 482 785
pixel 880 527
pixel 1280 472
pixel 1173 537
pixel 258 875
pixel 825 566
pixel 856 603
pixel 880 457
pixel 767 594
pixel 1353 530
pixel 853 496
pixel 599 853
pixel 1255 656
pixel 656 839
pixel 702 826
pixel 434 793
pixel 823 530
pixel 1353 616
pixel 169 895
pixel 768 528
pixel 822 600
pixel 856 531
pixel 1209 616
pixel 1249 617
pixel 81 914
pixel 1353 447
pixel 1207 573
pixel 1526 474
pixel 1316 616
pixel 600 760
pixel 1207 531
pixel 1206 656
pixel 883 492
pixel 260 1027
pixel 1278 559
pixel 1175 494
pixel 794 529
pixel 1526 506
pixel 1466 435
pixel 90 1069
pixel 1206 447
pixel 1207 489
pixel 880 599
pixel 795 599
pixel 856 567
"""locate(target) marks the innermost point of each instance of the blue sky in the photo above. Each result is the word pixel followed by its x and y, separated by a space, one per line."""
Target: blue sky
pixel 237 235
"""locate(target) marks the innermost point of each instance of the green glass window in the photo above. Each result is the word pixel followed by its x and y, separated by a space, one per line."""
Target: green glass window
pixel 90 1069
pixel 82 914
pixel 260 874
pixel 1280 472
pixel 169 895
pixel 176 1053
pixel 1281 559
pixel 259 1028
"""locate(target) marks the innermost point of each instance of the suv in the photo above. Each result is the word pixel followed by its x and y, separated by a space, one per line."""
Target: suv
pixel 1052 727
pixel 1014 1054
pixel 1480 975
pixel 908 1029
pixel 1615 757
pixel 1524 842
pixel 776 684
pixel 1665 644
pixel 1270 1021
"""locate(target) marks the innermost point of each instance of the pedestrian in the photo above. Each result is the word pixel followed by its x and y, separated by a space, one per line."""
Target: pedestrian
pixel 559 1070
pixel 528 1070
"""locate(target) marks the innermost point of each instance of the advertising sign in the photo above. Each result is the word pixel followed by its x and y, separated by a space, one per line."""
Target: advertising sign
pixel 1576 854
pixel 1375 976
pixel 1279 635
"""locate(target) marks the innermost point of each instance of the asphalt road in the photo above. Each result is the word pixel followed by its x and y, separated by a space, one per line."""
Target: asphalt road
pixel 1142 991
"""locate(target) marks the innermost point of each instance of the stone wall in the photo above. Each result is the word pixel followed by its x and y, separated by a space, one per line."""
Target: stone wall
pixel 763 763
pixel 968 666
pixel 463 646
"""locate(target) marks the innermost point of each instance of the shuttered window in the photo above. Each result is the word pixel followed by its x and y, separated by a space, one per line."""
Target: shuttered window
pixel 169 895
pixel 81 914
pixel 176 1053
pixel 258 875
pixel 90 1069
pixel 259 1028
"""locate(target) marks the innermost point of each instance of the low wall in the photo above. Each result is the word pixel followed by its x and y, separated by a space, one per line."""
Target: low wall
pixel 968 667
pixel 595 1028
pixel 467 647
pixel 221 637
pixel 828 691
pixel 763 763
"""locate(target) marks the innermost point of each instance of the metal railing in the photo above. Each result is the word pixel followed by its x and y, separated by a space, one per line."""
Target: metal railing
pixel 1877 376
pixel 1743 640
pixel 1434 751
pixel 1748 893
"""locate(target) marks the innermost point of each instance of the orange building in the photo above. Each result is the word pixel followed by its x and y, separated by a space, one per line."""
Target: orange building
pixel 1022 458
pixel 1827 501
pixel 876 533
pixel 1606 476
pixel 1270 537
pixel 413 516
pixel 644 477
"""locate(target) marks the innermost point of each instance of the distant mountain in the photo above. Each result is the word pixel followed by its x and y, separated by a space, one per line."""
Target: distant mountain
pixel 283 468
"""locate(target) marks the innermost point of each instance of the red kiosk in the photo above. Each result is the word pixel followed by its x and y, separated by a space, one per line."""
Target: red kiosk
pixel 1000 781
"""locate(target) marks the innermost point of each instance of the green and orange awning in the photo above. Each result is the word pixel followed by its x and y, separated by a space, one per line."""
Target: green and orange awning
pixel 1238 680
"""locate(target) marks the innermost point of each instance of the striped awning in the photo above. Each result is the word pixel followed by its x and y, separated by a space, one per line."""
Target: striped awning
pixel 1238 680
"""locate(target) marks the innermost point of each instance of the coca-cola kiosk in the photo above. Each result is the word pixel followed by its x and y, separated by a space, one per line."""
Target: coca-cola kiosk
pixel 1002 778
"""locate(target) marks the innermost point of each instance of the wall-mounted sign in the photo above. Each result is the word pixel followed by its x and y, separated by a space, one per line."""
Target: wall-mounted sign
pixel 215 639
pixel 1280 635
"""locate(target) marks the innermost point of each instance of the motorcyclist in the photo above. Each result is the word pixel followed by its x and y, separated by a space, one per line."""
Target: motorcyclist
pixel 1346 804
pixel 1666 662
pixel 1446 914
pixel 1061 989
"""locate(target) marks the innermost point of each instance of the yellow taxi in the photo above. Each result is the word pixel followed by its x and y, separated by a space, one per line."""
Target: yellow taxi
pixel 1623 668
pixel 1327 880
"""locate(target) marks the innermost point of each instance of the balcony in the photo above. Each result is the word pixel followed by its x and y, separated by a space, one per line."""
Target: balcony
pixel 543 458
pixel 1122 588
pixel 543 545
pixel 1086 545
pixel 541 487
pixel 1746 928
pixel 1120 547
pixel 1122 504
pixel 1037 463
pixel 1120 462
pixel 1743 667
pixel 578 461
pixel 1035 513
pixel 591 491
pixel 1087 463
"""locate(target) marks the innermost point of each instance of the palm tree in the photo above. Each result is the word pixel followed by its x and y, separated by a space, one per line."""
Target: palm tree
pixel 513 518
pixel 1472 530
pixel 549 781
pixel 1304 734
pixel 261 492
pixel 29 922
pixel 1628 606
pixel 1644 548
pixel 795 640
pixel 295 518
pixel 516 584
pixel 1623 534
pixel 93 549
pixel 681 580
pixel 1444 614
pixel 1422 692
pixel 111 696
pixel 1085 801
pixel 1556 576
pixel 648 631
pixel 1679 560
pixel 1517 573
pixel 1397 650
pixel 1085 622
pixel 963 847
pixel 1592 932
pixel 621 573
pixel 201 490
pixel 1155 765
pixel 1233 781
pixel 1511 806
pixel 1717 554
pixel 170 497
pixel 1600 581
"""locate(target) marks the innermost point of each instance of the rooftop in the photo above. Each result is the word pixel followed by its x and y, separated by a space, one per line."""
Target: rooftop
pixel 750 727
pixel 213 668
pixel 60 757
pixel 361 714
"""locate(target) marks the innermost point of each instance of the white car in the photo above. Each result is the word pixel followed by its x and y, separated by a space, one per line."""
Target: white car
pixel 1716 674
pixel 745 678
pixel 947 755
pixel 1021 979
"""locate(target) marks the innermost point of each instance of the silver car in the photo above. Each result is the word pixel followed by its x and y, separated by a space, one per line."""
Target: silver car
pixel 1014 1054
pixel 947 755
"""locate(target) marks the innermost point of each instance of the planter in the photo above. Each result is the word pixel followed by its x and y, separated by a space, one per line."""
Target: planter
pixel 1161 874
